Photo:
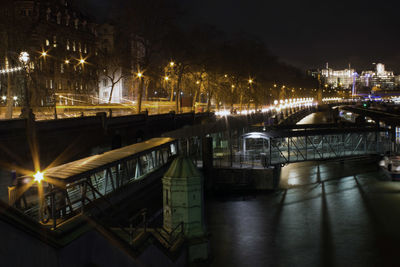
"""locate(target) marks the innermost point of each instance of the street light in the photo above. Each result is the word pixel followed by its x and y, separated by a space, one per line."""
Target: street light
pixel 24 58
pixel 166 78
pixel 44 53
pixel 26 111
pixel 250 81
pixel 172 63
pixel 140 74
pixel 66 61
pixel 82 61
pixel 38 176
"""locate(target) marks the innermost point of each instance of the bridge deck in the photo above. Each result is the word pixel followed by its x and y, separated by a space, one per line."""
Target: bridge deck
pixel 283 146
pixel 67 189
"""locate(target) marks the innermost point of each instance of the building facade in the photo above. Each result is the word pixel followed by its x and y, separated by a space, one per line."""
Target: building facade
pixel 365 83
pixel 379 78
pixel 338 78
pixel 61 42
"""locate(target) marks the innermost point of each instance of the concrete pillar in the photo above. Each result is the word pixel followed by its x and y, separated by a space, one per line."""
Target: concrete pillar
pixel 276 176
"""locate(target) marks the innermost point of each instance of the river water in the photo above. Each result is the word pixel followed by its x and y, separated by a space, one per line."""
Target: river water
pixel 325 214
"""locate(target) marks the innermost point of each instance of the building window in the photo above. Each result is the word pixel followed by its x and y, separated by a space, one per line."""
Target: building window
pixel 55 41
pixel 47 42
pixel 62 68
pixel 85 49
pixel 80 47
pixel 105 82
pixel 51 84
pixel 68 45
pixel 73 46
pixel 59 86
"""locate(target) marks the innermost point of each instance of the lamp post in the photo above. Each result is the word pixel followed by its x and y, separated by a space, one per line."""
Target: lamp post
pixel 26 111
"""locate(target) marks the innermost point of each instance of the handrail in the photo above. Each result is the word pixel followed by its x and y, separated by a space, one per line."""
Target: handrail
pixel 171 235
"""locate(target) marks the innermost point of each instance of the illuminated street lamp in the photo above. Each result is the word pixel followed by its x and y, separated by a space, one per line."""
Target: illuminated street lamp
pixel 38 176
pixel 140 74
pixel 250 81
pixel 172 63
pixel 44 53
pixel 26 111
pixel 24 58
pixel 82 61
pixel 66 61
pixel 166 78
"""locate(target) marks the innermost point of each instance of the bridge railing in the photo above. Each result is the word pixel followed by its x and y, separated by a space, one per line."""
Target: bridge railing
pixel 87 183
pixel 303 146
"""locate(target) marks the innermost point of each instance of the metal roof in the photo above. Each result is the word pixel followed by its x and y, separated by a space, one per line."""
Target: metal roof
pixel 74 170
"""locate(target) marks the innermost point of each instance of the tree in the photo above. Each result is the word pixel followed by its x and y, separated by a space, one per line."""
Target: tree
pixel 111 69
pixel 147 24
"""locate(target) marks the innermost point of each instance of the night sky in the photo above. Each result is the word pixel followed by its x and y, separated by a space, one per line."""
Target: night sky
pixel 308 33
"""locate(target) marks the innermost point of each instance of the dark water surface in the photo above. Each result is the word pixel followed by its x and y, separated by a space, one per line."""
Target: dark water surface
pixel 325 214
pixel 333 214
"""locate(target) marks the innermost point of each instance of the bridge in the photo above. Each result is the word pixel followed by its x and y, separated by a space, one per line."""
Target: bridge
pixel 110 190
pixel 97 184
pixel 265 146
pixel 99 181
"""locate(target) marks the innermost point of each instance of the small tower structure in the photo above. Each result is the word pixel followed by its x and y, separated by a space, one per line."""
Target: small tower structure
pixel 183 201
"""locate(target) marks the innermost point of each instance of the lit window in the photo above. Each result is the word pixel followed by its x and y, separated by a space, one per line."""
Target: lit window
pixel 51 84
pixel 62 68
pixel 73 46
pixel 85 49
pixel 67 44
pixel 80 47
pixel 47 42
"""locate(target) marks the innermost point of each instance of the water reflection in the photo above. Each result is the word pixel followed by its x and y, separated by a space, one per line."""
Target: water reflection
pixel 328 214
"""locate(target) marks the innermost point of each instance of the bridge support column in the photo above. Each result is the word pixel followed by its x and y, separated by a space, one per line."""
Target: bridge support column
pixel 393 138
pixel 207 156
pixel 276 175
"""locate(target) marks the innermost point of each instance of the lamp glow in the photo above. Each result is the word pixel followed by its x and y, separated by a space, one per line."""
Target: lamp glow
pixel 38 176
pixel 24 57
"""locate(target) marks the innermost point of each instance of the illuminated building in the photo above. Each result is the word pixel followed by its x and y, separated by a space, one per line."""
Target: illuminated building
pixel 62 44
pixel 380 78
pixel 338 78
